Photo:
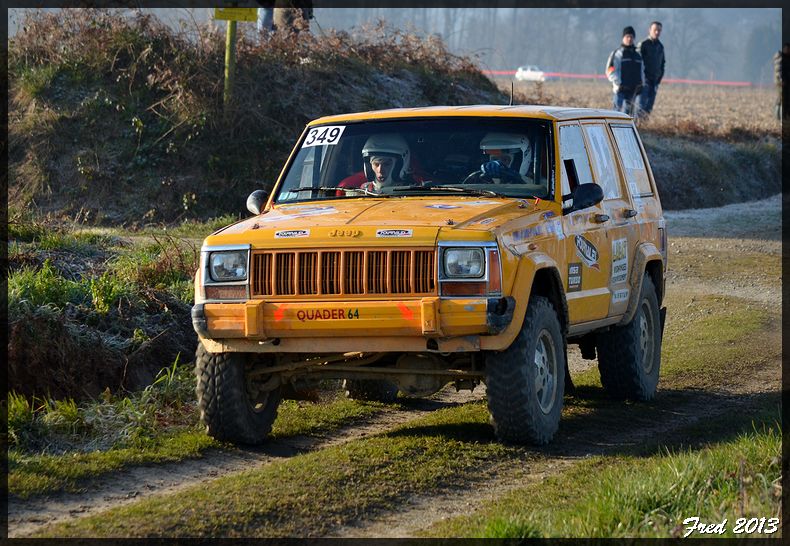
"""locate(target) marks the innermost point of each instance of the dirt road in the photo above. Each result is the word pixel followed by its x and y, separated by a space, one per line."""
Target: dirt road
pixel 705 248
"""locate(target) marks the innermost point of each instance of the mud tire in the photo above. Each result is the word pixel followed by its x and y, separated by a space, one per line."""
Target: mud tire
pixel 371 390
pixel 224 402
pixel 629 356
pixel 525 398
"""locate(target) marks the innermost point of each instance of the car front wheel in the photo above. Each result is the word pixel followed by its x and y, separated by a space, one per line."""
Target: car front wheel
pixel 525 384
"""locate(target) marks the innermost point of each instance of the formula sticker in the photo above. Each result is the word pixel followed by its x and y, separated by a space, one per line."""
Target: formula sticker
pixel 291 233
pixel 485 221
pixel 574 277
pixel 390 233
pixel 441 206
pixel 320 136
pixel 619 260
pixel 587 252
pixel 619 296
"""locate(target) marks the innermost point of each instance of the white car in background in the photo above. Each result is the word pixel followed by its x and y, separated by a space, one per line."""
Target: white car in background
pixel 530 73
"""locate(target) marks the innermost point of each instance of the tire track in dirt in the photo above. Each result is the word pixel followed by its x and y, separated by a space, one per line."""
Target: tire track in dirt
pixel 133 483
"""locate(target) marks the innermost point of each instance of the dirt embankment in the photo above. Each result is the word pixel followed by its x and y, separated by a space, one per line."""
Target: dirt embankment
pixel 120 120
pixel 609 429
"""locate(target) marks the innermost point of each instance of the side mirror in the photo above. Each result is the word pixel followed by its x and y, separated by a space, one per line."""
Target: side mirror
pixel 585 195
pixel 256 201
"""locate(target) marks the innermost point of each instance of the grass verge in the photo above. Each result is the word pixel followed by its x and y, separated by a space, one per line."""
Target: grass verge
pixel 145 432
pixel 707 339
pixel 626 496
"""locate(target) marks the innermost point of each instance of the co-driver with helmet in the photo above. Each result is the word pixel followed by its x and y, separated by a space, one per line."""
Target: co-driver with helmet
pixel 509 159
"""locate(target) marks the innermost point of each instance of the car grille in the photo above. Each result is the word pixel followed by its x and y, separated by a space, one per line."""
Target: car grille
pixel 343 272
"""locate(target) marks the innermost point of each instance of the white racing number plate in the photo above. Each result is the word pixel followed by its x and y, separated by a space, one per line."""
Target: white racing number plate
pixel 319 136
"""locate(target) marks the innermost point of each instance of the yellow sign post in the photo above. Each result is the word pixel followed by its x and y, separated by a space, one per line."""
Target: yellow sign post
pixel 232 15
pixel 249 15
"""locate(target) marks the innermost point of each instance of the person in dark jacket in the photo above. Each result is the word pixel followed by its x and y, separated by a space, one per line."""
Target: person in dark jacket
pixel 652 51
pixel 626 71
pixel 781 69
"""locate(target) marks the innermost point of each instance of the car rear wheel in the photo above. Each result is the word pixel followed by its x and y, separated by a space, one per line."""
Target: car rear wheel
pixel 525 384
pixel 629 356
pixel 233 406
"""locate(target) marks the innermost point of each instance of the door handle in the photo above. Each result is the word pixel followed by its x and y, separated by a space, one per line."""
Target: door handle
pixel 629 213
pixel 600 218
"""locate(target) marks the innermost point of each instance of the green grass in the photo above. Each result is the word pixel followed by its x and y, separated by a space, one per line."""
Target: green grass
pixel 135 438
pixel 308 494
pixel 626 496
pixel 36 474
pixel 705 336
pixel 43 287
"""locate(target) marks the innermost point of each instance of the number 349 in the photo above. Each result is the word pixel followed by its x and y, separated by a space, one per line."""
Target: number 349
pixel 320 136
pixel 756 525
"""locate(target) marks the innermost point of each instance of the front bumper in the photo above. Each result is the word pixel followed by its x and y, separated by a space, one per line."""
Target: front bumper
pixel 427 317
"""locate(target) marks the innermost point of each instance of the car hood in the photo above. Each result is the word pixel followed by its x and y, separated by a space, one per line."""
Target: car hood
pixel 407 220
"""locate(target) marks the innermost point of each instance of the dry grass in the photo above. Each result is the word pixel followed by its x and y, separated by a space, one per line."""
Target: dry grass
pixel 695 110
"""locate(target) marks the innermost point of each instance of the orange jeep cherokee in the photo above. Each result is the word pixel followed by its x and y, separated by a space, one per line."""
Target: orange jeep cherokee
pixel 402 250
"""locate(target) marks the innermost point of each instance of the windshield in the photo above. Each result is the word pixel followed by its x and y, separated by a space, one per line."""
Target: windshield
pixel 476 156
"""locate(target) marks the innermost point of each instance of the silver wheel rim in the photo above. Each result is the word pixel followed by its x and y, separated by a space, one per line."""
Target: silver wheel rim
pixel 545 371
pixel 646 329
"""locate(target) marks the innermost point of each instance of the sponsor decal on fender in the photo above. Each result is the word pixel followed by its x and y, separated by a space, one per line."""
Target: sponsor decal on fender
pixel 291 233
pixel 619 260
pixel 587 252
pixel 574 277
pixel 619 296
pixel 392 233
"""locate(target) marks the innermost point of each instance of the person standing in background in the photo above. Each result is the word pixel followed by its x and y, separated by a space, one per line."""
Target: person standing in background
pixel 293 15
pixel 265 20
pixel 626 71
pixel 781 68
pixel 652 51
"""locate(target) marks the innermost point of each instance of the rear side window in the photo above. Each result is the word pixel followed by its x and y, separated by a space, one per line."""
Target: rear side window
pixel 574 157
pixel 603 160
pixel 633 162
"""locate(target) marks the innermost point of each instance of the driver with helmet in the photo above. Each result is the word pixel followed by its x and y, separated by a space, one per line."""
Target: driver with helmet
pixel 386 162
pixel 509 158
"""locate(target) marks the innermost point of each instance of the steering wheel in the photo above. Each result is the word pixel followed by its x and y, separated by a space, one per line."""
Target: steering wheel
pixel 482 177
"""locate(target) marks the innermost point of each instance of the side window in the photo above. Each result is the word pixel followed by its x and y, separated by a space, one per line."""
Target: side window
pixel 573 155
pixel 603 160
pixel 633 163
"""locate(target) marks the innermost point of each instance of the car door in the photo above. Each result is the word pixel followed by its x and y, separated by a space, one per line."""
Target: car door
pixel 621 227
pixel 585 271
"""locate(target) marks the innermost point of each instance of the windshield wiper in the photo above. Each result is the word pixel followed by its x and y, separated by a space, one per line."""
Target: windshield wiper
pixel 468 191
pixel 325 189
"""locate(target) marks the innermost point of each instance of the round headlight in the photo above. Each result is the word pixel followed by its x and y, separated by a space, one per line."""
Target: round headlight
pixel 464 262
pixel 228 266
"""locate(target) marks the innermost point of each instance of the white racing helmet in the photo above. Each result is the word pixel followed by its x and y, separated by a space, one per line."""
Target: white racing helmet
pixel 516 146
pixel 387 145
